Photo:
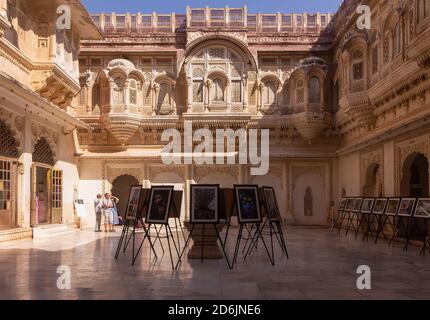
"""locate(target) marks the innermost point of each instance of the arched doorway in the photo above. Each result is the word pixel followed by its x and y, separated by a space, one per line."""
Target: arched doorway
pixel 121 189
pixel 47 186
pixel 415 176
pixel 8 177
pixel 373 184
pixel 415 184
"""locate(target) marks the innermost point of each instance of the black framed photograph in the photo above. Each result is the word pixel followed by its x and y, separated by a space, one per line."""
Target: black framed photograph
pixel 247 203
pixel 271 203
pixel 367 206
pixel 342 204
pixel 406 208
pixel 204 204
pixel 349 204
pixel 380 205
pixel 357 204
pixel 159 204
pixel 133 202
pixel 422 210
pixel 392 206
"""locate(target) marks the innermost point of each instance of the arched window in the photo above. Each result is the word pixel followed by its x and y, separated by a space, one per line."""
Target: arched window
pixel 118 91
pixel 357 65
pixel 386 49
pixel 217 90
pixel 397 44
pixel 336 97
pixel 300 92
pixel 96 94
pixel 269 93
pixel 314 90
pixel 42 152
pixel 7 142
pixel 83 96
pixel 164 95
pixel 133 92
pixel 198 91
pixel 285 95
pixel 423 8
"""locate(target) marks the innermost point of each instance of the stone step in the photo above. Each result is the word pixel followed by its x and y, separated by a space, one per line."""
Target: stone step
pixel 53 230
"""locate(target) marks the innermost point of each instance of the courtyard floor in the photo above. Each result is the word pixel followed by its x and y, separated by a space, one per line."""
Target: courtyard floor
pixel 322 265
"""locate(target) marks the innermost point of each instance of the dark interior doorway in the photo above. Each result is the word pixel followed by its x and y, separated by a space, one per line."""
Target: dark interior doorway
pixel 121 189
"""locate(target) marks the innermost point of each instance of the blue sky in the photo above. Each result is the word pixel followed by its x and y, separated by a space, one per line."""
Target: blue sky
pixel 254 6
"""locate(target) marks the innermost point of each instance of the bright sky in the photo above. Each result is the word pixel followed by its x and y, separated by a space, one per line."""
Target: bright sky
pixel 254 6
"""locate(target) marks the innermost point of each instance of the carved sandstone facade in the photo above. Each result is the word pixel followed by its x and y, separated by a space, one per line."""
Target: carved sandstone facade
pixel 347 109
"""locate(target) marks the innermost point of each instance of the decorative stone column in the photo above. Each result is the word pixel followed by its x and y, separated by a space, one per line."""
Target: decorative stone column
pixel 228 95
pixel 190 95
pixel 260 86
pixel 245 94
pixel 155 91
pixel 206 97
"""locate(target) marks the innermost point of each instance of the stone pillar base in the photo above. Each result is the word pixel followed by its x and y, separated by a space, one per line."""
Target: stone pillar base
pixel 211 249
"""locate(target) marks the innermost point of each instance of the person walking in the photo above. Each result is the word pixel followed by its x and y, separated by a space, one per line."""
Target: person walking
pixel 98 204
pixel 115 201
pixel 108 207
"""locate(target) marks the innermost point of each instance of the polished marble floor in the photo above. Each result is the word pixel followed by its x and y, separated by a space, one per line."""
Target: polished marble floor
pixel 322 265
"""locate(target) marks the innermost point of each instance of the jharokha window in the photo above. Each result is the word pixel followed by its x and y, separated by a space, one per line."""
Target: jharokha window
pixel 118 91
pixel 198 91
pixel 300 92
pixel 423 10
pixel 357 65
pixel 314 90
pixel 397 40
pixel 269 93
pixel 133 92
pixel 217 90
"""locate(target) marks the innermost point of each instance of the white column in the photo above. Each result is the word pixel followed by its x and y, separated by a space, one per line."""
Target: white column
pixel 245 94
pixel 190 95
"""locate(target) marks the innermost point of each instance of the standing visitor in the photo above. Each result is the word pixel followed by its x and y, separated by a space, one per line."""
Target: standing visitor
pixel 98 204
pixel 108 207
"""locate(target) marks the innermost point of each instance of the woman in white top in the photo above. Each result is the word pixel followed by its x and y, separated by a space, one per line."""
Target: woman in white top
pixel 108 207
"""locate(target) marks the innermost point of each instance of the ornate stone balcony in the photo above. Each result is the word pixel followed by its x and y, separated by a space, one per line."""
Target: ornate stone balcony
pixel 310 125
pixel 53 83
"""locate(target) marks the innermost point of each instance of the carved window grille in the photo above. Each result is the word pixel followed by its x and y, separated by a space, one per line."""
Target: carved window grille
pixel 8 146
pixel 57 189
pixel 83 96
pixel 146 95
pixel 411 25
pixel 164 95
pixel 217 53
pixel 357 69
pixel 236 91
pixel 42 152
pixel 269 93
pixel 198 91
pixel 133 92
pixel 375 62
pixel 300 92
pixel 314 90
pixel 5 185
pixel 96 94
pixel 386 49
pixel 397 39
pixel 217 90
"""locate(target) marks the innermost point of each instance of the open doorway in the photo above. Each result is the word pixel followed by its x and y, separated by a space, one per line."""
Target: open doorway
pixel 415 184
pixel 121 189
pixel 41 204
